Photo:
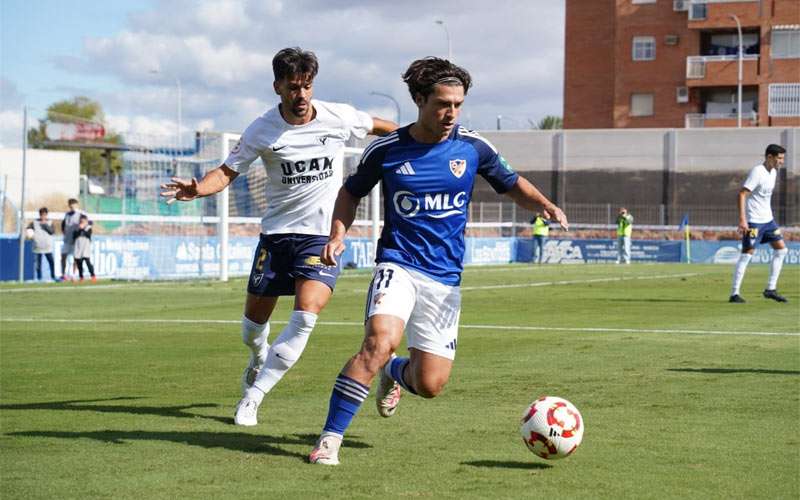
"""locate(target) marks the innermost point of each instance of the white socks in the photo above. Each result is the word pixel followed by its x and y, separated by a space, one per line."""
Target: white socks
pixel 254 336
pixel 283 354
pixel 775 267
pixel 738 272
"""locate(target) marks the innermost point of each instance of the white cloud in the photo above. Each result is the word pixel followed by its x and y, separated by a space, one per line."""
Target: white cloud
pixel 222 50
pixel 10 129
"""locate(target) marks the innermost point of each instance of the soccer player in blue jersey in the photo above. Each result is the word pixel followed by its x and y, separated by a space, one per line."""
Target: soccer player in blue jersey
pixel 427 170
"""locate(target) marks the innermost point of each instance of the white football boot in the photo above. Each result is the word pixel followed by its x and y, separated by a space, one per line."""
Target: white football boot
pixel 326 451
pixel 387 397
pixel 246 413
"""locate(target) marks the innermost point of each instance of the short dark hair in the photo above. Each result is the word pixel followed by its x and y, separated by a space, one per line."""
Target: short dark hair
pixel 43 210
pixel 774 150
pixel 294 61
pixel 71 201
pixel 83 217
pixel 424 73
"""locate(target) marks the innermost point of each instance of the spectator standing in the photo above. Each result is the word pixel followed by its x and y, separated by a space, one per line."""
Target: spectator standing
pixel 68 227
pixel 41 231
pixel 82 239
pixel 541 230
pixel 624 232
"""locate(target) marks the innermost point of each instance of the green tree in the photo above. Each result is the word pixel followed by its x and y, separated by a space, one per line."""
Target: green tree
pixel 550 122
pixel 79 109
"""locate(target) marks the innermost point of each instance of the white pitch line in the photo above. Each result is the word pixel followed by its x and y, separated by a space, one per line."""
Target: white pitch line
pixel 580 282
pixel 64 287
pixel 466 327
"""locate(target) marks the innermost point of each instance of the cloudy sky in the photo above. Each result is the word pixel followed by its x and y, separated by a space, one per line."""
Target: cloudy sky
pixel 130 54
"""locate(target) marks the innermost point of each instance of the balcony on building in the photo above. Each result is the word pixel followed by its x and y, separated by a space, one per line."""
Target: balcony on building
pixel 710 14
pixel 720 108
pixel 718 62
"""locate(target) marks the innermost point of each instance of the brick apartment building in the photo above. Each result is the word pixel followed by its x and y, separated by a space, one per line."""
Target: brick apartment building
pixel 674 63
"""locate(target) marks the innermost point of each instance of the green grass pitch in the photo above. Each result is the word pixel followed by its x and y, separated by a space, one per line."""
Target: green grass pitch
pixel 105 394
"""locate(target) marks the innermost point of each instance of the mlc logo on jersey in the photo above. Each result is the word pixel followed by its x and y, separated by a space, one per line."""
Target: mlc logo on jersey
pixel 458 167
pixel 435 205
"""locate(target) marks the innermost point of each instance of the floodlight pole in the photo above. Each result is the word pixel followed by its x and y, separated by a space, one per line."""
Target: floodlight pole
pixel 21 216
pixel 739 85
pixel 180 110
pixel 396 104
pixel 449 44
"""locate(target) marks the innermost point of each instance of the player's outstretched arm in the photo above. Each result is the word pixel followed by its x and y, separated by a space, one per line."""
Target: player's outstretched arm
pixel 344 213
pixel 382 127
pixel 187 190
pixel 527 196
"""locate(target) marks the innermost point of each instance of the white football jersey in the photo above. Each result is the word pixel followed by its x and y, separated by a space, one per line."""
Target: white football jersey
pixel 760 182
pixel 304 164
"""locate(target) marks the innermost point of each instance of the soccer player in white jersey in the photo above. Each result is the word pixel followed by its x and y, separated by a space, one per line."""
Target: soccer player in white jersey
pixel 427 171
pixel 757 224
pixel 301 144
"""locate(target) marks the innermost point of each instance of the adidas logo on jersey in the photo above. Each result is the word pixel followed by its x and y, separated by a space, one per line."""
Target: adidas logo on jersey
pixel 405 169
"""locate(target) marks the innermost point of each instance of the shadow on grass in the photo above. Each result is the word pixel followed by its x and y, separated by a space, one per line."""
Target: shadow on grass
pixel 507 464
pixel 735 370
pixel 236 441
pixel 89 405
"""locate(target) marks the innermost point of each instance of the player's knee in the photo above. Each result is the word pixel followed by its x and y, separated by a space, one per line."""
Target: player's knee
pixel 375 352
pixel 430 387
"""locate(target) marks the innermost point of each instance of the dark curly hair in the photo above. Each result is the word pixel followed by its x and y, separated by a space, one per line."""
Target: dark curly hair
pixel 424 73
pixel 294 61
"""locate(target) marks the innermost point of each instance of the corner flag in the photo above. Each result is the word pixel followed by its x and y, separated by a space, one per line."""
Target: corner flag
pixel 685 226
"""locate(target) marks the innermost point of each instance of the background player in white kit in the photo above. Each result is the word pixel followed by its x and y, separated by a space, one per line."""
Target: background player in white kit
pixel 428 172
pixel 757 224
pixel 301 144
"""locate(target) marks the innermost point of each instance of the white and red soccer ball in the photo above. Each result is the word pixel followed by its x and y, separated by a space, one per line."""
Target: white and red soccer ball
pixel 552 427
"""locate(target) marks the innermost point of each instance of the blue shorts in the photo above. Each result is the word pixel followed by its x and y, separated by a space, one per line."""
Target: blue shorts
pixel 282 258
pixel 760 234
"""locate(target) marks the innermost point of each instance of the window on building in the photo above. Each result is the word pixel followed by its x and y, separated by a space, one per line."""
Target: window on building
pixel 784 99
pixel 644 48
pixel 785 43
pixel 641 104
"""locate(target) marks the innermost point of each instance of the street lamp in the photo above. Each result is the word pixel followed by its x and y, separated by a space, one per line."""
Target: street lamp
pixel 180 99
pixel 449 45
pixel 739 86
pixel 396 104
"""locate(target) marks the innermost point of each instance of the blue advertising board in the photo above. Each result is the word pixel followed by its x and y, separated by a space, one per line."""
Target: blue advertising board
pixel 171 257
pixel 560 251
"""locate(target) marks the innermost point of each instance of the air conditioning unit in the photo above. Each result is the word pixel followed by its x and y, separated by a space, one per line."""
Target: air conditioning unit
pixel 680 5
pixel 682 94
pixel 671 39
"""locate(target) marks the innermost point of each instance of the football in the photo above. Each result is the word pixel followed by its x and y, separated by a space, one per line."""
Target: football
pixel 552 427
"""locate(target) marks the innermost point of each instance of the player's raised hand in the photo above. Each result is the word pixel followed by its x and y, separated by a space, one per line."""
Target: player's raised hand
pixel 557 215
pixel 331 251
pixel 179 190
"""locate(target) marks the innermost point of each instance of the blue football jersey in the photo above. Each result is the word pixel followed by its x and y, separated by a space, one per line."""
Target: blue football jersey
pixel 426 191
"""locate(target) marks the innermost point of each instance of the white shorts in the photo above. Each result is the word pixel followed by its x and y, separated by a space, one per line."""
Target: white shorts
pixel 429 309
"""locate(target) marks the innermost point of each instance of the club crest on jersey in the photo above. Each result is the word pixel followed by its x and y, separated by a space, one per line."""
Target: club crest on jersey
pixel 237 147
pixel 257 278
pixel 458 167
